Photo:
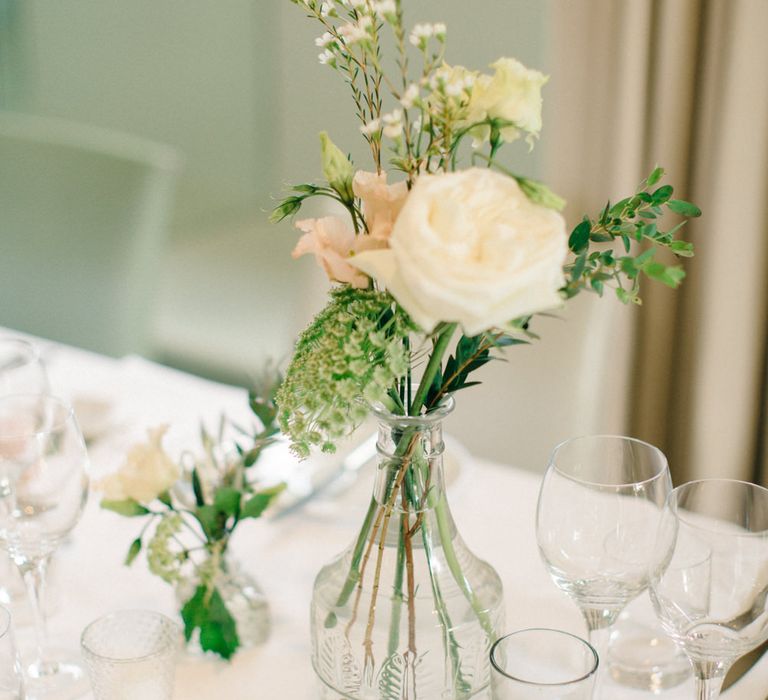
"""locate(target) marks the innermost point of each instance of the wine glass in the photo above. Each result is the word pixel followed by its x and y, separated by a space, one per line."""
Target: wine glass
pixel 598 507
pixel 21 368
pixel 43 489
pixel 11 684
pixel 21 372
pixel 709 580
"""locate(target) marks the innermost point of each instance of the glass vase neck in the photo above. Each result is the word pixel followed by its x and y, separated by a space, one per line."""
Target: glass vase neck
pixel 410 466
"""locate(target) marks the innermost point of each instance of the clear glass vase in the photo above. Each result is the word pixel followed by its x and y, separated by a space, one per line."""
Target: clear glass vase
pixel 406 611
pixel 244 599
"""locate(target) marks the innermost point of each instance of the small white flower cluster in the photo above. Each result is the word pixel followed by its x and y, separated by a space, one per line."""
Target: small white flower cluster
pixel 453 81
pixel 393 124
pixel 423 32
pixel 353 32
pixel 410 96
pixel 386 10
pixel 371 128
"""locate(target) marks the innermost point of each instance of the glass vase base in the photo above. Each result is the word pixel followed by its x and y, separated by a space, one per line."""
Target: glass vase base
pixel 643 658
pixel 62 677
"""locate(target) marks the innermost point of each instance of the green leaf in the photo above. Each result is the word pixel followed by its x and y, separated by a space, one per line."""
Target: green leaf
pixel 601 237
pixel 578 266
pixel 133 551
pixel 662 194
pixel 597 285
pixel 617 209
pixel 165 499
pixel 654 177
pixel 213 521
pixel 227 500
pixel 579 238
pixel 682 248
pixel 208 613
pixel 256 505
pixel 128 507
pixel 680 206
pixel 671 276
pixel 644 257
pixel 197 487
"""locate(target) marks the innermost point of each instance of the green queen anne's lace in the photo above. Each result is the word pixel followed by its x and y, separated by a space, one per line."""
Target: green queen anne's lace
pixel 352 354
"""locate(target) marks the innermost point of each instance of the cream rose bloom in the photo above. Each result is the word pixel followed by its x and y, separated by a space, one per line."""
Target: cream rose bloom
pixel 470 247
pixel 146 473
pixel 512 93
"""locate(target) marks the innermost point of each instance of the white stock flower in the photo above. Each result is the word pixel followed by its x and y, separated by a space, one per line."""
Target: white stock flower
pixel 513 93
pixel 469 247
pixel 146 473
pixel 393 124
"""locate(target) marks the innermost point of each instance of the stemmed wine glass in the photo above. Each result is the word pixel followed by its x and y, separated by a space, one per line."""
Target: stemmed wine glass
pixel 599 504
pixel 709 580
pixel 43 489
pixel 21 372
pixel 21 368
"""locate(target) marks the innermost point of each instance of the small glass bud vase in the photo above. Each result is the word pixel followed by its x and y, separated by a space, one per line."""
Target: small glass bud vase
pixel 244 599
pixel 407 610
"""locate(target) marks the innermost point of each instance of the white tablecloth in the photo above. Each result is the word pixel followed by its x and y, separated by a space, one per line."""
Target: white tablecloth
pixel 493 504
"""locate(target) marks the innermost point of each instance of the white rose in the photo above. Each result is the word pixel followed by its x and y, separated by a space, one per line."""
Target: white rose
pixel 512 93
pixel 146 473
pixel 470 247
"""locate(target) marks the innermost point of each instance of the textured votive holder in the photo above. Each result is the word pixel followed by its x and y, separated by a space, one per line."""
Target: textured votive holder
pixel 131 655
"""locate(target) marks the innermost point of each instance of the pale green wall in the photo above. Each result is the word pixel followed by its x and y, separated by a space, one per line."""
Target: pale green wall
pixel 195 74
pixel 233 84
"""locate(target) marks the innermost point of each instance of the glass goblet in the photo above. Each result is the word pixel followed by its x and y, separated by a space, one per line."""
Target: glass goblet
pixel 43 489
pixel 21 368
pixel 542 664
pixel 709 580
pixel 21 372
pixel 11 684
pixel 599 503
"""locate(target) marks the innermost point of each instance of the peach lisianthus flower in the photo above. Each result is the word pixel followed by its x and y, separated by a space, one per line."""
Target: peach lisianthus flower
pixel 381 202
pixel 333 242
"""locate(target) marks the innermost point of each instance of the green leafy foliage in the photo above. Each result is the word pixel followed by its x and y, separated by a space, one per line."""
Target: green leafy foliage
pixel 127 507
pixel 207 612
pixel 224 494
pixel 133 551
pixel 631 220
pixel 256 505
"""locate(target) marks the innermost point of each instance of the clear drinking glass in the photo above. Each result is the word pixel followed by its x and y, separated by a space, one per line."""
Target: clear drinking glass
pixel 599 504
pixel 21 372
pixel 542 664
pixel 11 684
pixel 717 610
pixel 43 489
pixel 131 655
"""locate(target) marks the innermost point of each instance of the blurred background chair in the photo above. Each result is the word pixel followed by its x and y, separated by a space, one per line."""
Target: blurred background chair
pixel 82 231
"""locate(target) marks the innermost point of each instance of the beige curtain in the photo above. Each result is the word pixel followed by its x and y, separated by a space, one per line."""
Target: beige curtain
pixel 682 83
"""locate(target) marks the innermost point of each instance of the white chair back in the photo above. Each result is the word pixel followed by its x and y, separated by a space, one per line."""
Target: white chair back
pixel 83 220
